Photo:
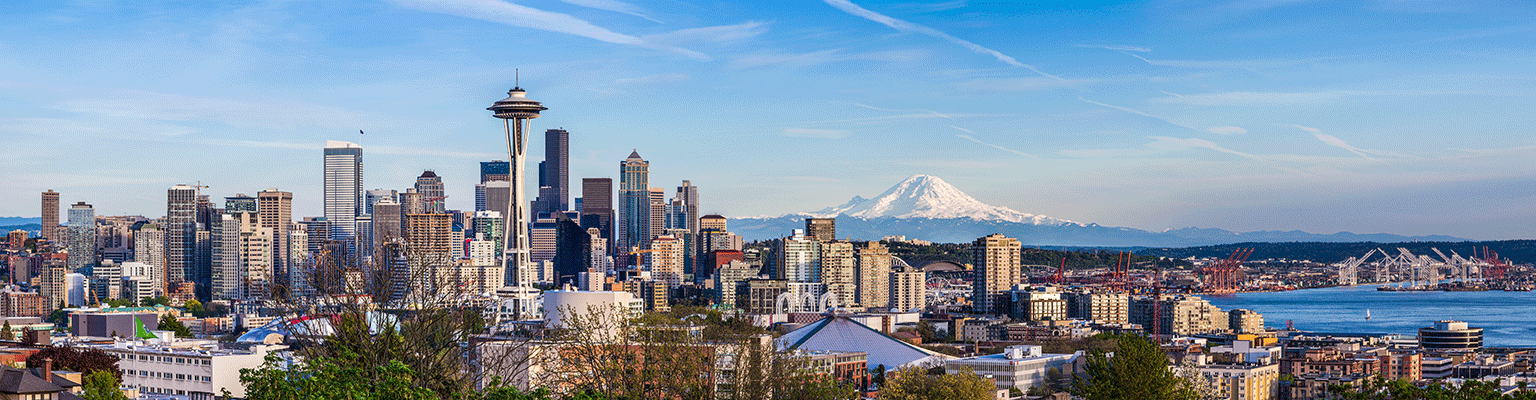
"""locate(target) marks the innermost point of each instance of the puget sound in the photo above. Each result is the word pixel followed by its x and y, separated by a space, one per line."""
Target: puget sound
pixel 1508 319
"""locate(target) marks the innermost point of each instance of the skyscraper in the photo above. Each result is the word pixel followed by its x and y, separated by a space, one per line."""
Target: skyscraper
pixel 685 206
pixel 667 260
pixel 180 235
pixel 50 222
pixel 822 229
pixel 658 213
pixel 276 215
pixel 431 188
pixel 374 195
pixel 997 260
pixel 495 171
pixel 597 206
pixel 388 224
pixel 837 271
pixel 82 236
pixel 557 170
pixel 634 219
pixel 344 193
pixel 515 111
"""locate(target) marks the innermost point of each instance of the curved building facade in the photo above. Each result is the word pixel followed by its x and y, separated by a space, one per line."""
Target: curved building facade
pixel 1450 335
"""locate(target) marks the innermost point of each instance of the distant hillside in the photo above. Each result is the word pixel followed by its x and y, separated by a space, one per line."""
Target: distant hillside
pixel 964 230
pixel 1519 251
pixel 7 221
pixel 28 227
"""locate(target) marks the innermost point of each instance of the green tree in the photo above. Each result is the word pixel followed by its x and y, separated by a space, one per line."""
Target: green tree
pixel 101 385
pixel 5 332
pixel 169 323
pixel 195 308
pixel 1138 370
pixel 914 384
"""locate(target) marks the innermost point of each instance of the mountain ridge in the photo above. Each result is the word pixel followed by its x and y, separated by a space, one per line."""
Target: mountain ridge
pixel 928 208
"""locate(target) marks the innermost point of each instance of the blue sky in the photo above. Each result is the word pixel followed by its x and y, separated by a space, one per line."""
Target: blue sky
pixel 1400 116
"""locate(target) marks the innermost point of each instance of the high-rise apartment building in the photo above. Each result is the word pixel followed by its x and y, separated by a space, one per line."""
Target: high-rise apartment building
pixel 908 289
pixel 430 186
pixel 495 171
pixel 1179 315
pixel 799 259
pixel 838 266
pixel 180 235
pixel 374 195
pixel 822 229
pixel 731 276
pixel 489 227
pixel 998 268
pixel 667 260
pixel 874 275
pixel 428 244
pixel 82 236
pixel 276 214
pixel 344 193
pixel 557 171
pixel 53 284
pixel 412 202
pixel 634 212
pixel 1103 307
pixel 50 222
pixel 149 249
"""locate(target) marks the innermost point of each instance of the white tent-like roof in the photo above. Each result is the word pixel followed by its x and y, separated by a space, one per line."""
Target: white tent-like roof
pixel 837 333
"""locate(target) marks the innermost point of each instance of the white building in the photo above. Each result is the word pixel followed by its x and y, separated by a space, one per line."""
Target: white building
pixel 908 289
pixel 1021 366
pixel 193 368
pixel 561 304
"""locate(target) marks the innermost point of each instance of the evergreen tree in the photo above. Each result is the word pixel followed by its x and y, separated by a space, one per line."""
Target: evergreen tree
pixel 5 332
pixel 1138 370
pixel 169 323
pixel 101 385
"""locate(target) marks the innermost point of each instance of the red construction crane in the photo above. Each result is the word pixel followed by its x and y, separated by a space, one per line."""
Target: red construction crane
pixel 1061 276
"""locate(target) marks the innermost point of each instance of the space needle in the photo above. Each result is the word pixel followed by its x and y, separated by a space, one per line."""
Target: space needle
pixel 515 111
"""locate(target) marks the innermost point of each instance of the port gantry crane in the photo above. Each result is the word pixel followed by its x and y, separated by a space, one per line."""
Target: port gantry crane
pixel 1221 277
pixel 1349 270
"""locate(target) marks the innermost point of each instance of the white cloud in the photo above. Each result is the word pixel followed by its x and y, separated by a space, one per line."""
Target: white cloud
pixel 978 141
pixel 1177 144
pixel 1116 48
pixel 1226 130
pixel 1020 84
pixel 532 18
pixel 1139 112
pixel 1255 98
pixel 825 57
pixel 904 26
pixel 612 5
pixel 815 133
pixel 620 86
pixel 710 34
pixel 1335 141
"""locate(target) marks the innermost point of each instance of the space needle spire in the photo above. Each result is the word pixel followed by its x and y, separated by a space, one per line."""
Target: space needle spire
pixel 515 111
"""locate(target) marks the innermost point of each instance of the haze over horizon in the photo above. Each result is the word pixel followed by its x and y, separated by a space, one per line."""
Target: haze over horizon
pixel 1403 117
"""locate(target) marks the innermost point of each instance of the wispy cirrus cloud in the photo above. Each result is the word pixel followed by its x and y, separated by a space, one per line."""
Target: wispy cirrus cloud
pixel 1139 112
pixel 1117 48
pixel 821 57
pixel 710 34
pixel 815 133
pixel 1335 141
pixel 620 86
pixel 978 141
pixel 613 5
pixel 1226 130
pixel 532 18
pixel 904 26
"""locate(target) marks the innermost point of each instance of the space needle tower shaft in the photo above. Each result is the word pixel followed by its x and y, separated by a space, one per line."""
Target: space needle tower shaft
pixel 515 111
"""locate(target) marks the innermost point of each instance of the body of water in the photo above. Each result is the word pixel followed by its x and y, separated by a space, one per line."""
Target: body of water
pixel 1507 318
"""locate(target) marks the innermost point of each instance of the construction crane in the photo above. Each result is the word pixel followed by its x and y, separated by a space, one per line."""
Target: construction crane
pixel 1061 277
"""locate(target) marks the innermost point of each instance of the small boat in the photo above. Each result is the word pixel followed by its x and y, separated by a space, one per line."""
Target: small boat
pixel 1367 314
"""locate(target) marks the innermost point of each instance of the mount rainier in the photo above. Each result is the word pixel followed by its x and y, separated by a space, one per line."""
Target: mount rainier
pixel 928 208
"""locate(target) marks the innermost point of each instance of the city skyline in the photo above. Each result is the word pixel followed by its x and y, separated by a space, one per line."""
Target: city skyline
pixel 1397 117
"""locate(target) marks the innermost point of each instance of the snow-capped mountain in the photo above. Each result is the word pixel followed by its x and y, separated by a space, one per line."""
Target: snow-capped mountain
pixel 925 207
pixel 927 196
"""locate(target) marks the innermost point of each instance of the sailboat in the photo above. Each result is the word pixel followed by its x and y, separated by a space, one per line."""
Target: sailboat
pixel 1367 314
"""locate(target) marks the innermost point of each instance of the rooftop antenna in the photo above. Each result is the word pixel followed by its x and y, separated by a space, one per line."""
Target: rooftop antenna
pixel 517 78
